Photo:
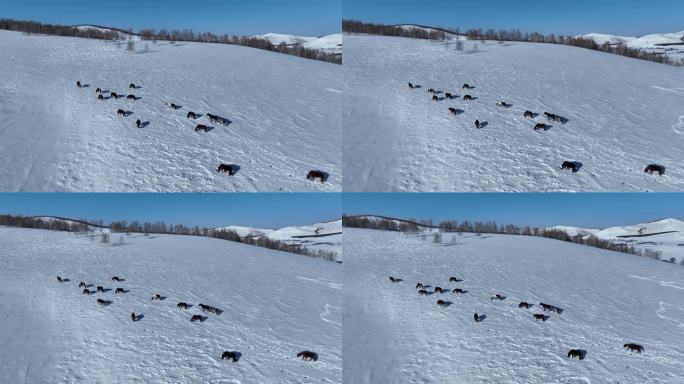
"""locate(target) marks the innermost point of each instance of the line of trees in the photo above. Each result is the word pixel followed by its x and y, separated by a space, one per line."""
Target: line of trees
pixel 412 226
pixel 253 42
pixel 67 225
pixel 38 223
pixel 33 27
pixel 355 26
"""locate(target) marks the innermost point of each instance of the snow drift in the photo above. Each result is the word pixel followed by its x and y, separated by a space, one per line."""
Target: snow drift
pixel 274 305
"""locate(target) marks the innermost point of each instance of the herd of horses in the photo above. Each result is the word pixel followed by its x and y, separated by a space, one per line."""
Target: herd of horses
pixel 572 166
pixel 546 308
pixel 230 169
pixel 233 356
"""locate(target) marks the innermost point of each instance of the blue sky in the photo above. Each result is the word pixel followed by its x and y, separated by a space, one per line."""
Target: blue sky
pixel 238 17
pixel 264 210
pixel 567 17
pixel 589 210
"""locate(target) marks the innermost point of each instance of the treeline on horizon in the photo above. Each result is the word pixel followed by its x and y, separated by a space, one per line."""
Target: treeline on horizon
pixel 356 26
pixel 34 27
pixel 490 227
pixel 82 226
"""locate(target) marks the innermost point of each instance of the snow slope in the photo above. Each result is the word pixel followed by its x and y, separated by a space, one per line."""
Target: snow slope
pixel 325 236
pixel 393 335
pixel 329 43
pixel 623 114
pixel 275 304
pixel 670 44
pixel 666 235
pixel 56 137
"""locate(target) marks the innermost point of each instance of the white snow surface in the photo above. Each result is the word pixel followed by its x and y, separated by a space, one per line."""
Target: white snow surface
pixel 666 235
pixel 623 114
pixel 325 236
pixel 285 114
pixel 275 305
pixel 393 335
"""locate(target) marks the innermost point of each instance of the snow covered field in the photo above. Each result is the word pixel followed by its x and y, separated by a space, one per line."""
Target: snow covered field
pixel 393 335
pixel 665 235
pixel 623 114
pixel 275 305
pixel 284 112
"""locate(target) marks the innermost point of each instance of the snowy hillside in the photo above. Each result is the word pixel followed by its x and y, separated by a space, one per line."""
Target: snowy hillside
pixel 320 236
pixel 57 137
pixel 394 335
pixel 124 35
pixel 329 43
pixel 622 114
pixel 274 305
pixel 665 235
pixel 670 44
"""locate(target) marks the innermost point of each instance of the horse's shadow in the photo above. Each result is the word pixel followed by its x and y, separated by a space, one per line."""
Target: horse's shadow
pixel 484 124
pixel 144 124
pixel 139 317
pixel 447 304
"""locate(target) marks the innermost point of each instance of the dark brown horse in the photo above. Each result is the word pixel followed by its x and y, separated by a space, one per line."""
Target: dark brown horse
pixel 579 354
pixel 634 347
pixel 226 168
pixel 308 355
pixel 316 174
pixel 654 168
pixel 228 355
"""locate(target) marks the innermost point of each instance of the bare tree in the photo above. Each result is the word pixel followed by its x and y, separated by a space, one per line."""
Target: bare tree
pixel 130 46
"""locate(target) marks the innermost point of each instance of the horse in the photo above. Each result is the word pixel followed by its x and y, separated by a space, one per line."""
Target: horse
pixel 420 285
pixel 454 280
pixel 133 317
pixel 182 305
pixel 201 127
pixel 497 297
pixel 524 304
pixel 448 95
pixel 191 115
pixel 227 355
pixel 423 292
pixel 634 347
pixel 138 123
pixel 576 353
pixel 226 168
pixel 528 114
pixel 78 83
pixel 59 279
pixel 196 318
pixel 540 127
pixel 467 97
pixel 569 165
pixel 477 124
pixel 466 86
pixel 121 112
pixel 457 291
pixel 82 284
pixel 131 97
pixel 308 355
pixel 119 290
pixel 539 316
pixel 156 297
pixel 316 174
pixel 442 303
pixel 102 302
pixel 87 292
pixel 116 278
pixel 653 168
pixel 100 289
